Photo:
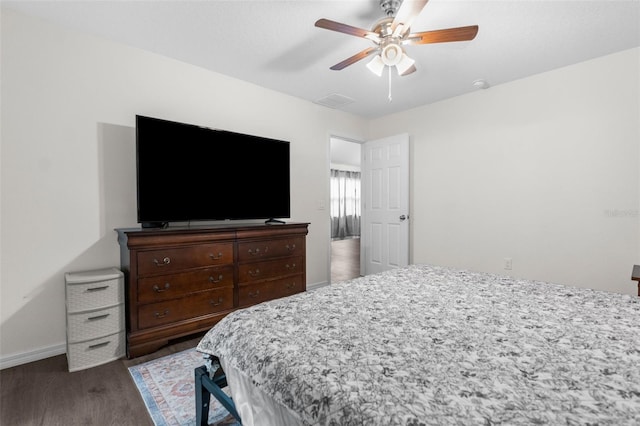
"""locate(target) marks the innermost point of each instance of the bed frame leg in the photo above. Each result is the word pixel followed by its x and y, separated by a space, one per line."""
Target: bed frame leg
pixel 203 398
pixel 205 387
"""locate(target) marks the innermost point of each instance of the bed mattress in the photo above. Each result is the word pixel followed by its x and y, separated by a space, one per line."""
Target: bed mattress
pixel 427 345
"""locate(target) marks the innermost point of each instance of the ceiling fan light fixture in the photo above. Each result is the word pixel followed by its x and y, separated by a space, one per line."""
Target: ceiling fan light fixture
pixel 391 54
pixel 376 65
pixel 405 63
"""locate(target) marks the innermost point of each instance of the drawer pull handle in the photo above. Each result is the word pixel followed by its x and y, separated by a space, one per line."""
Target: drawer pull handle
pixel 218 303
pixel 160 290
pixel 104 287
pixel 98 317
pixel 164 262
pixel 214 280
pixel 161 315
pixel 254 273
pixel 98 345
pixel 292 285
pixel 214 257
pixel 291 247
pixel 292 266
pixel 257 252
pixel 254 295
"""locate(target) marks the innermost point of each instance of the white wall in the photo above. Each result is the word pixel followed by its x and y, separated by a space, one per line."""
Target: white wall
pixel 542 170
pixel 345 155
pixel 68 162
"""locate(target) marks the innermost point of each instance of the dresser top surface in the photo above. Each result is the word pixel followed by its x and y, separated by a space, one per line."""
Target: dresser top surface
pixel 223 227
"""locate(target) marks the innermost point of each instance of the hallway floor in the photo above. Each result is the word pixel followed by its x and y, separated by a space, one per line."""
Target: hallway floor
pixel 345 259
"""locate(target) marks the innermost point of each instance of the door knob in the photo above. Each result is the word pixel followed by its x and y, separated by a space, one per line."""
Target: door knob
pixel 403 217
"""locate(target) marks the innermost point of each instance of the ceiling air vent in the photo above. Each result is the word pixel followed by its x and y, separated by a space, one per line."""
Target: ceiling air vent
pixel 334 100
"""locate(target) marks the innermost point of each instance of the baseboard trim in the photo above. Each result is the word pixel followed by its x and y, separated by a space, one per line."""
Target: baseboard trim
pixel 317 285
pixel 9 361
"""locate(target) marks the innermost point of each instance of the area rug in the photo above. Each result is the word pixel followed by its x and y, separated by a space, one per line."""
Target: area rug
pixel 167 388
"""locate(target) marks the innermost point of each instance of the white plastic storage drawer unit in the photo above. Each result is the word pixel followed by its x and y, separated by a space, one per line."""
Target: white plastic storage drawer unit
pixel 95 317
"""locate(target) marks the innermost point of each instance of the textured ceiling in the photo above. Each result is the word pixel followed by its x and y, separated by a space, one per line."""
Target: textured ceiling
pixel 274 43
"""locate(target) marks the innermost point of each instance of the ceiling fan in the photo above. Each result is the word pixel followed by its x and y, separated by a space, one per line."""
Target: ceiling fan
pixel 392 32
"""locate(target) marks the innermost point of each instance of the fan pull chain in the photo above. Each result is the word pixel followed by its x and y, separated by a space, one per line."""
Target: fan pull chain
pixel 390 98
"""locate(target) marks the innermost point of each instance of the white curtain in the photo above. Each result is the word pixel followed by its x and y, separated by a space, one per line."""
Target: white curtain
pixel 345 204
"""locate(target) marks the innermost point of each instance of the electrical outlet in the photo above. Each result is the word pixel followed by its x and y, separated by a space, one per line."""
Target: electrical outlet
pixel 508 263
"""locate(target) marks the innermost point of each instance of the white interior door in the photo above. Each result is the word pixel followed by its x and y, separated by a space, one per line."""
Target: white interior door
pixel 385 210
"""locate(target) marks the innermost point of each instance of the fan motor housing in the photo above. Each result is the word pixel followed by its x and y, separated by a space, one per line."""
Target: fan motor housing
pixel 383 27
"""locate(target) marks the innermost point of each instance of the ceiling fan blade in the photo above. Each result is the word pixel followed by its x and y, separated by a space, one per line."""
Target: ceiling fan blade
pixel 355 58
pixel 409 9
pixel 347 29
pixel 442 36
pixel 411 70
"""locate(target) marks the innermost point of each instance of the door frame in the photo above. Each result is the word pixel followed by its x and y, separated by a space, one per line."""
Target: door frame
pixel 328 204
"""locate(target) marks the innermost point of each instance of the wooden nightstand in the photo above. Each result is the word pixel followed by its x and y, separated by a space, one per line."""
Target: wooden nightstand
pixel 635 276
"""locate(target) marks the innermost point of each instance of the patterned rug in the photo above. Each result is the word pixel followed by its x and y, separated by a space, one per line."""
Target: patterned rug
pixel 167 388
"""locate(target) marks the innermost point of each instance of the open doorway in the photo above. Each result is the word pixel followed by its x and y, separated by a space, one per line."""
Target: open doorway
pixel 345 209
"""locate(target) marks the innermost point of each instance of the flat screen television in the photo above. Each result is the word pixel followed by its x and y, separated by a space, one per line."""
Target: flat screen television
pixel 190 173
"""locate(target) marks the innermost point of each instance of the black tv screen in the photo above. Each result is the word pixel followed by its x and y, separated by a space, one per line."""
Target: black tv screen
pixel 191 173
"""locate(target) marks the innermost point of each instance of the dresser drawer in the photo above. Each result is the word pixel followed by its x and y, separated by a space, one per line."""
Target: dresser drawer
pixel 269 249
pixel 195 305
pixel 290 285
pixel 95 352
pixel 163 287
pixel 90 325
pixel 250 294
pixel 176 259
pixel 270 269
pixel 94 295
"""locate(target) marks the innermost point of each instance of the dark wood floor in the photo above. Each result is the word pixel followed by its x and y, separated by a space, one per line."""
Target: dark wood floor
pixel 45 393
pixel 345 259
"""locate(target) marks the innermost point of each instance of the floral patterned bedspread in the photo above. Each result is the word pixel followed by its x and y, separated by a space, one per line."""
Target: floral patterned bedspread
pixel 428 345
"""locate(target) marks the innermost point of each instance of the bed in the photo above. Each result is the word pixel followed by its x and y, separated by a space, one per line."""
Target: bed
pixel 427 345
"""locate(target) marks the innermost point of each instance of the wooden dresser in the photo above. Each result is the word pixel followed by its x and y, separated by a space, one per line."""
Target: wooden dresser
pixel 180 281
